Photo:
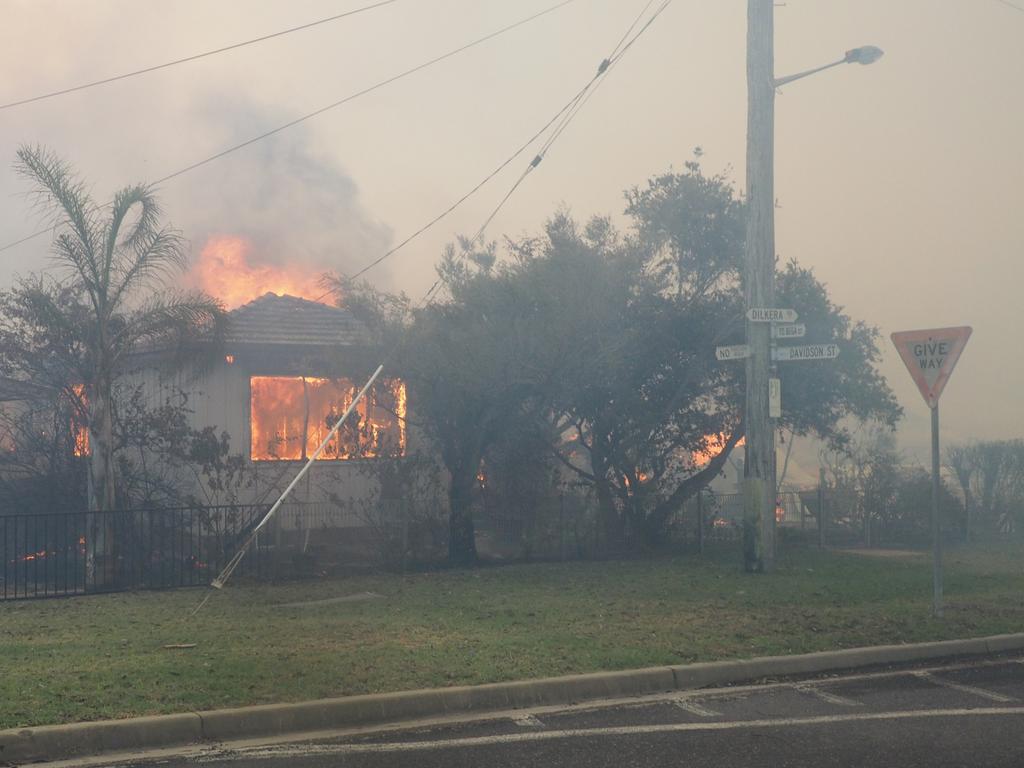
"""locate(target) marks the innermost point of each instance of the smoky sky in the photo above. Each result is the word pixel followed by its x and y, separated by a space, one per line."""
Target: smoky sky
pixel 296 206
pixel 899 183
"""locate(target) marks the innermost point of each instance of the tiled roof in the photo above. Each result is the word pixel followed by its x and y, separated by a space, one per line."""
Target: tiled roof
pixel 273 319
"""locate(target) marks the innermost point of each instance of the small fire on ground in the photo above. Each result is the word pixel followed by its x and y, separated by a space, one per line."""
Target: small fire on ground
pixel 225 269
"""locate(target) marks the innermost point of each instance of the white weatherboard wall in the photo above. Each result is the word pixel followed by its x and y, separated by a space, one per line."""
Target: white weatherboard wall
pixel 218 397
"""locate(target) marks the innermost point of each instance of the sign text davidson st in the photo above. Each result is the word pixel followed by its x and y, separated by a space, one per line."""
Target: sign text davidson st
pixel 807 352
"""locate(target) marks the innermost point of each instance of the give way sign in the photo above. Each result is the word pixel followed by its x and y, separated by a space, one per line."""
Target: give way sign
pixel 930 356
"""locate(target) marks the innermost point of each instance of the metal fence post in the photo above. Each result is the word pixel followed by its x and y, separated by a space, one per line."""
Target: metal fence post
pixel 700 521
pixel 561 525
pixel 405 531
pixel 821 507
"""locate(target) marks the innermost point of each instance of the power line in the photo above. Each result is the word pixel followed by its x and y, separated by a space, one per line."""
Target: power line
pixel 566 113
pixel 1008 4
pixel 582 99
pixel 194 57
pixel 574 102
pixel 574 108
pixel 363 92
pixel 632 26
pixel 331 106
pixel 470 193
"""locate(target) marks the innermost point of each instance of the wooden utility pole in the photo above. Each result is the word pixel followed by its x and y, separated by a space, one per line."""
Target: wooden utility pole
pixel 758 480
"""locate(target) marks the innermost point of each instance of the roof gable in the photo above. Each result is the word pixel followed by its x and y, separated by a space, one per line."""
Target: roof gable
pixel 273 319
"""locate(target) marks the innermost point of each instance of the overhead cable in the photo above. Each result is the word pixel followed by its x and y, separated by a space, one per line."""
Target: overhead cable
pixel 562 118
pixel 334 105
pixel 1008 4
pixel 222 579
pixel 194 57
pixel 567 116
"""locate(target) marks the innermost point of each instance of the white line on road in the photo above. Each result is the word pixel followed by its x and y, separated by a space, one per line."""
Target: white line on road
pixel 990 695
pixel 293 750
pixel 831 698
pixel 696 709
pixel 527 721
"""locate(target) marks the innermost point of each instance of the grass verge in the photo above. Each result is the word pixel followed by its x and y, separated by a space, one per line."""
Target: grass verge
pixel 104 657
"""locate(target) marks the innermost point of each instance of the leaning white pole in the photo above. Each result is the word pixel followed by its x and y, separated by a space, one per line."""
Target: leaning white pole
pixel 230 567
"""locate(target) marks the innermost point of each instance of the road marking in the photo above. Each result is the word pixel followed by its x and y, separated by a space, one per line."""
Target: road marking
pixel 528 721
pixel 696 709
pixel 831 698
pixel 990 695
pixel 635 730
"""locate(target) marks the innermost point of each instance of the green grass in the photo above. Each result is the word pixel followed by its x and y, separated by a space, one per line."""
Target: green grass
pixel 103 656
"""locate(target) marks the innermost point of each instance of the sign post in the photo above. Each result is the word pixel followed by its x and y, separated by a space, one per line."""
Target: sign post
pixel 759 504
pixel 930 355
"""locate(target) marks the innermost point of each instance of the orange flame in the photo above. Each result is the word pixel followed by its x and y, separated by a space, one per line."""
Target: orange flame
pixel 291 416
pixel 713 445
pixel 78 429
pixel 223 270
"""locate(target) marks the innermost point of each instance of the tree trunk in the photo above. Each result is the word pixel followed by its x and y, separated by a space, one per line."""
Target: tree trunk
pixel 100 535
pixel 461 532
pixel 611 520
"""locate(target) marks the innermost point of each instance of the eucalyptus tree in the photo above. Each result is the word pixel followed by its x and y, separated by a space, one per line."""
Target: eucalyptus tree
pixel 76 327
pixel 600 344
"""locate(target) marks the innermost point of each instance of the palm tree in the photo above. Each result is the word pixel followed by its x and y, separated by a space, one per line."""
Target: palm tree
pixel 107 298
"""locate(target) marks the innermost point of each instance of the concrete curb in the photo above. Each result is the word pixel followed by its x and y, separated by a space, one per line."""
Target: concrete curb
pixel 58 742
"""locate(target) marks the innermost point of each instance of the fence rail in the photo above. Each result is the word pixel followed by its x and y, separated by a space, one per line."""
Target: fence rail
pixel 72 553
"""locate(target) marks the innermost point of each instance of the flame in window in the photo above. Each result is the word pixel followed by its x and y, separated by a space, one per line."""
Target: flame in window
pixel 290 416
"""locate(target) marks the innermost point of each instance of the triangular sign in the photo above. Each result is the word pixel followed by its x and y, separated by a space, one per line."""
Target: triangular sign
pixel 930 356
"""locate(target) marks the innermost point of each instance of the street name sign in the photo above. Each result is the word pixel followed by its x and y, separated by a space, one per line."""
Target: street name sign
pixel 735 352
pixel 930 355
pixel 789 331
pixel 771 315
pixel 808 352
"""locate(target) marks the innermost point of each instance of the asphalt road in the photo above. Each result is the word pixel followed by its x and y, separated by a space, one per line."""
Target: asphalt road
pixel 967 714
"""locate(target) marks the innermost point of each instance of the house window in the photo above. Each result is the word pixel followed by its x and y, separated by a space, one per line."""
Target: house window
pixel 291 415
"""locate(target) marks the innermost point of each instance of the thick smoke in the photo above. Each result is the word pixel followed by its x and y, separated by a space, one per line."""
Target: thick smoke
pixel 296 206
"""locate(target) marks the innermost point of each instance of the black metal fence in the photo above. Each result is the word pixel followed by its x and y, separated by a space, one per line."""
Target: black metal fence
pixel 59 554
pixel 72 553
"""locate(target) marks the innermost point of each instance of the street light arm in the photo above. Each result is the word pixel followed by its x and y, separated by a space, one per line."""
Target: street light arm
pixel 866 54
pixel 790 78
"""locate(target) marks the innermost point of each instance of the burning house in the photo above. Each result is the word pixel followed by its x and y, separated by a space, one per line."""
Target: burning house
pixel 288 369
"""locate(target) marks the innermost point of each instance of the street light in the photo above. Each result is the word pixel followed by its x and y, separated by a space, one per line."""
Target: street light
pixel 759 273
pixel 866 54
